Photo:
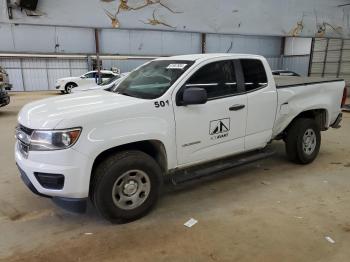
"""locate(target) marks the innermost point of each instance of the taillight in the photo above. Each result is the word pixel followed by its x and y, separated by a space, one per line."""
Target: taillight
pixel 345 94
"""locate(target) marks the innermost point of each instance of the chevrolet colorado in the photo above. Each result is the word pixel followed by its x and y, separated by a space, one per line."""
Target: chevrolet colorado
pixel 179 117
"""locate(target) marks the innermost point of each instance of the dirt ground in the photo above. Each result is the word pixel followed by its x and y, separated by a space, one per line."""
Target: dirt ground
pixel 271 210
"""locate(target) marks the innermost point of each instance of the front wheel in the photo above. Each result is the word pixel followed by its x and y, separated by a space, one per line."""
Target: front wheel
pixel 126 186
pixel 69 87
pixel 303 141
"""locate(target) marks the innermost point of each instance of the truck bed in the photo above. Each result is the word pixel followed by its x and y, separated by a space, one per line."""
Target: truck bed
pixel 290 81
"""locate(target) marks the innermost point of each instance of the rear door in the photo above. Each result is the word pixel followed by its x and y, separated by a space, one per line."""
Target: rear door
pixel 217 128
pixel 262 103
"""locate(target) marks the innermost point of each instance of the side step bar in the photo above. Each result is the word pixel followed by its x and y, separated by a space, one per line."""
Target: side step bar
pixel 182 176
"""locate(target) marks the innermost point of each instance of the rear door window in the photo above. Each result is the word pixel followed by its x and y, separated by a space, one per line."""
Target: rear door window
pixel 218 78
pixel 106 75
pixel 254 74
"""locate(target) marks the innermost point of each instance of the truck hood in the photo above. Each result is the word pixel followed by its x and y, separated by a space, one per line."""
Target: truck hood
pixel 48 113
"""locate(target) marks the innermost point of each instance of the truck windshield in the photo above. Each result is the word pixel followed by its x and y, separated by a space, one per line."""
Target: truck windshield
pixel 153 79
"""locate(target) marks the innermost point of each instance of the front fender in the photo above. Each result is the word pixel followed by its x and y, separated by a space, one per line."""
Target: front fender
pixel 112 134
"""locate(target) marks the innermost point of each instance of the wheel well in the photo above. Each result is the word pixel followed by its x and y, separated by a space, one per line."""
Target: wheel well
pixel 154 148
pixel 319 115
pixel 70 83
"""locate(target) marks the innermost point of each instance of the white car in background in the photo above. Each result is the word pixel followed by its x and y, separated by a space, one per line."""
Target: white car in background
pixel 65 85
pixel 108 84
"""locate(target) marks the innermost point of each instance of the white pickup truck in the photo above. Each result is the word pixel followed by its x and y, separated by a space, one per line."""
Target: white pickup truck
pixel 179 117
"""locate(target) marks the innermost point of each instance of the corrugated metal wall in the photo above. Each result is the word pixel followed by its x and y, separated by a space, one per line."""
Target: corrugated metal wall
pixel 158 43
pixel 123 65
pixel 260 45
pixel 34 74
pixel 46 39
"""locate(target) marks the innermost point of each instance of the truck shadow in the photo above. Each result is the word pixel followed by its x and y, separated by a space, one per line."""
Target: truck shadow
pixel 7 113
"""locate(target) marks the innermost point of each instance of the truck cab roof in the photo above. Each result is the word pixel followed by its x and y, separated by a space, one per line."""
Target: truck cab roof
pixel 202 57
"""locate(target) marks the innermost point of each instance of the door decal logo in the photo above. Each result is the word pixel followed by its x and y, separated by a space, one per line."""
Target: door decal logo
pixel 219 128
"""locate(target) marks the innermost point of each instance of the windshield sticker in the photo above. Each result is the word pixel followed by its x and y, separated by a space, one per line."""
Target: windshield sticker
pixel 176 66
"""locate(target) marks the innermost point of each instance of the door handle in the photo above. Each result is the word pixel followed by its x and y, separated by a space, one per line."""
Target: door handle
pixel 236 107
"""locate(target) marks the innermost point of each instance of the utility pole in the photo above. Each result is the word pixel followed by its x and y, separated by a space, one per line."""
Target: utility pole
pixel 97 46
pixel 203 42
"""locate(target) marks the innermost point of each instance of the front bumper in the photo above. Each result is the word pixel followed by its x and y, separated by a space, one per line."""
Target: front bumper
pixel 76 205
pixel 74 166
pixel 59 87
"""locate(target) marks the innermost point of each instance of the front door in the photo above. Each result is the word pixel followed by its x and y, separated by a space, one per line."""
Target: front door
pixel 88 80
pixel 216 128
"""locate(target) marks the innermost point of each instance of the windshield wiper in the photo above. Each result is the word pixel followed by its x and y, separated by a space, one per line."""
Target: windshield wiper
pixel 124 94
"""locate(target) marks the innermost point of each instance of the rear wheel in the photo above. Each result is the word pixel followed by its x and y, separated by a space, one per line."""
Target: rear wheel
pixel 303 141
pixel 69 87
pixel 126 186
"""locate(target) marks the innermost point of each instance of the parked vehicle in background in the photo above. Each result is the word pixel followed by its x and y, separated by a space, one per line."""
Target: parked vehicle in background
pixel 284 73
pixel 109 83
pixel 4 97
pixel 65 85
pixel 4 80
pixel 176 118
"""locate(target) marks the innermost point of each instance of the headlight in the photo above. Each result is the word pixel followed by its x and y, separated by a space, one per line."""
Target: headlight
pixel 43 140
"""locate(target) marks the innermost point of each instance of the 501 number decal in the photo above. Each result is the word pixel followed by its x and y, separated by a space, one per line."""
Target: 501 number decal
pixel 158 104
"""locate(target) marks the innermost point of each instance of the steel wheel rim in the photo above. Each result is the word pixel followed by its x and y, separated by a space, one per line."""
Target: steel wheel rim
pixel 309 141
pixel 131 189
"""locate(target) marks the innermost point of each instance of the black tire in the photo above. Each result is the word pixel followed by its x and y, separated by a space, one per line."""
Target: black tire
pixel 107 176
pixel 69 86
pixel 298 151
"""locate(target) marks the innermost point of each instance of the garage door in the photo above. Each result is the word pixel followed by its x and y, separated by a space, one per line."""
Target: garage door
pixel 330 58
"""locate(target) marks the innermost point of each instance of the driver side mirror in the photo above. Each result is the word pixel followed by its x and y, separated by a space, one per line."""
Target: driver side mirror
pixel 194 96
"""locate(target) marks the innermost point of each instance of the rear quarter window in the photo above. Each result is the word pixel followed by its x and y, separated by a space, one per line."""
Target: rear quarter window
pixel 254 74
